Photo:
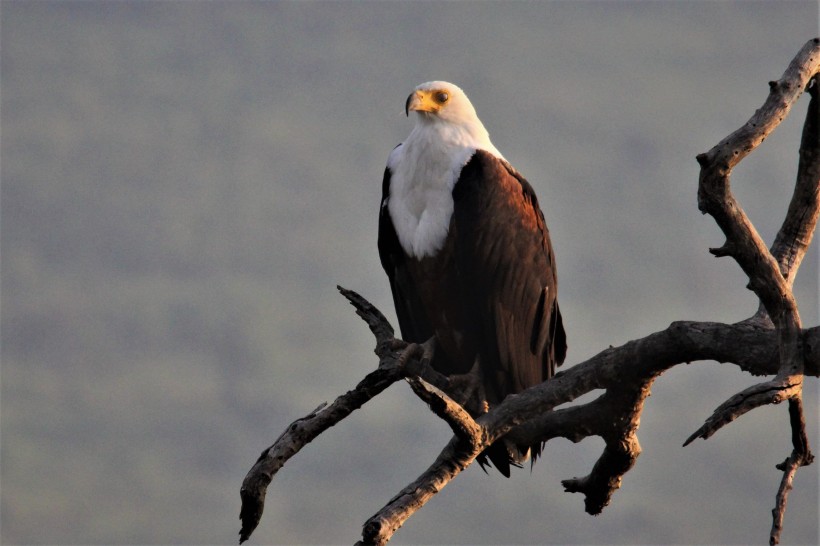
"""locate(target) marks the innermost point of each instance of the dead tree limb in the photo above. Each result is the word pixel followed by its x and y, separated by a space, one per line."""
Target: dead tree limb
pixel 771 274
pixel 304 430
pixel 773 342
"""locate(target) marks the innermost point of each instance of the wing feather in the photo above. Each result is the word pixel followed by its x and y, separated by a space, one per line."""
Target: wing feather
pixel 507 265
pixel 492 289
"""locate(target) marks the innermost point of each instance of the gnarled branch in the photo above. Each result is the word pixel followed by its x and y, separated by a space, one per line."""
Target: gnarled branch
pixel 771 274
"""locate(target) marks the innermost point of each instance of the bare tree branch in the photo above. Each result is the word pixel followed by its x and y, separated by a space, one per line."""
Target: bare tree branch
pixel 801 456
pixel 771 274
pixel 300 433
pixel 753 348
pixel 455 457
pixel 621 451
pixel 773 342
pixel 770 392
pixel 462 423
pixel 715 198
pixel 304 430
pixel 796 233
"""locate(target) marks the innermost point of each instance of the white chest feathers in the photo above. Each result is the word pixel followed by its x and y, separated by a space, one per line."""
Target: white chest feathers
pixel 421 195
pixel 423 171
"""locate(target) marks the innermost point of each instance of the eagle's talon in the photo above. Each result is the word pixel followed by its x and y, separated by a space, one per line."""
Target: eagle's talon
pixel 468 390
pixel 407 354
pixel 428 351
pixel 423 352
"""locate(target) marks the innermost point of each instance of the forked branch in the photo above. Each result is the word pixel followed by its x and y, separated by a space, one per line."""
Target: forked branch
pixel 752 347
pixel 771 274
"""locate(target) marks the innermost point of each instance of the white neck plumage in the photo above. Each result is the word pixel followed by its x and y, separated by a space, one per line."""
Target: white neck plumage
pixel 424 170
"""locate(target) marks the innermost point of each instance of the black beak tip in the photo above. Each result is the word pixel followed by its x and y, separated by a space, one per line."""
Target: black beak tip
pixel 407 105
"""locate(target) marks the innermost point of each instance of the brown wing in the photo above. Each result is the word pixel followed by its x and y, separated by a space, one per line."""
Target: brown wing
pixel 507 268
pixel 491 289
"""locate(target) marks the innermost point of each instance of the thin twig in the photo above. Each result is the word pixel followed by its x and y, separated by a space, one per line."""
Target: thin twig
pixel 801 456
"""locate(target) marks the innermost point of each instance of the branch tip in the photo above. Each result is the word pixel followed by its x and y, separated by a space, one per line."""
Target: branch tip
pixel 693 437
pixel 720 252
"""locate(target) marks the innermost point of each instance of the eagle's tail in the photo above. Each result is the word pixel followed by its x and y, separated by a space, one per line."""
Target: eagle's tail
pixel 504 454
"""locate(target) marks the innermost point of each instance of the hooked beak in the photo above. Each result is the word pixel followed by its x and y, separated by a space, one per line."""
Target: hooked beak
pixel 420 101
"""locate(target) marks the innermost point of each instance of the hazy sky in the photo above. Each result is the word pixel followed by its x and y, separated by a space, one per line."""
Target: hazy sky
pixel 185 183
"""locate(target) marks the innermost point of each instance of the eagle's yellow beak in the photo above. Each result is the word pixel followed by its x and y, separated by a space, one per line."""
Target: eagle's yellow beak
pixel 424 101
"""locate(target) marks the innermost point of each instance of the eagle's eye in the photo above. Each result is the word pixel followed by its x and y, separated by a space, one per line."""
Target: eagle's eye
pixel 442 97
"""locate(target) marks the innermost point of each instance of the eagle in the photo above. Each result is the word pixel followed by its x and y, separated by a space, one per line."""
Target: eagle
pixel 468 255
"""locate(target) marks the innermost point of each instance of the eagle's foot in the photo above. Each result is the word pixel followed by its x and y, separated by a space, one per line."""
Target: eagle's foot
pixel 468 390
pixel 424 352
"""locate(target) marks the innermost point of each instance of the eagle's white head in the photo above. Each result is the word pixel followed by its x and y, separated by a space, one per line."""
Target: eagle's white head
pixel 426 166
pixel 441 101
pixel 446 106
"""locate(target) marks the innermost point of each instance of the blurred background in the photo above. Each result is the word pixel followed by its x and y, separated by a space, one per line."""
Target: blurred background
pixel 185 183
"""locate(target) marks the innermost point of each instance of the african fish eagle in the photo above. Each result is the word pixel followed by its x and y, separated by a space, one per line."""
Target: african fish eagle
pixel 469 259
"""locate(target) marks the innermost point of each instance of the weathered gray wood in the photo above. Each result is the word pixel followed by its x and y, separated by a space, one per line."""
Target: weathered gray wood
pixel 771 274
